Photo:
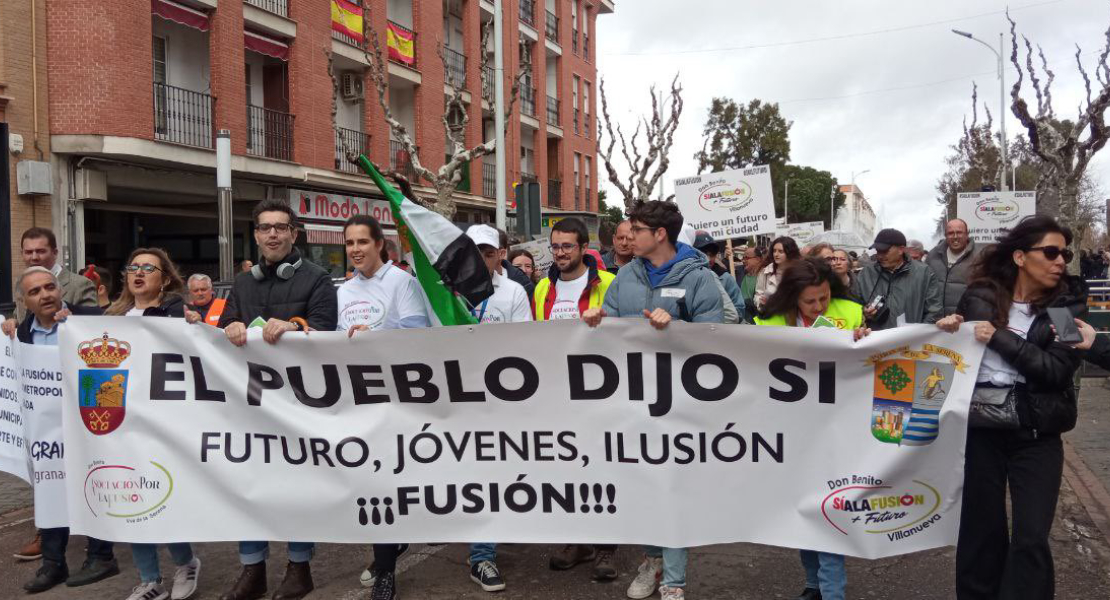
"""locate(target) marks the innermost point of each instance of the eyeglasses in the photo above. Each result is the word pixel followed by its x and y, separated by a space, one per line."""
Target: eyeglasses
pixel 563 248
pixel 1053 252
pixel 638 228
pixel 279 227
pixel 145 269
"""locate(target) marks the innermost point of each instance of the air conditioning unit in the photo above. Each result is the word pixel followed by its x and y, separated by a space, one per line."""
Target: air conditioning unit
pixel 350 87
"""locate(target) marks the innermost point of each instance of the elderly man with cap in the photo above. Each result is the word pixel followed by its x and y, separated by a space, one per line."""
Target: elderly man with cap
pixel 509 302
pixel 895 290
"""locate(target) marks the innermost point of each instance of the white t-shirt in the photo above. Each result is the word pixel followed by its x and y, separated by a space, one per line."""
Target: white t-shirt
pixel 135 312
pixel 391 299
pixel 994 369
pixel 567 295
pixel 508 304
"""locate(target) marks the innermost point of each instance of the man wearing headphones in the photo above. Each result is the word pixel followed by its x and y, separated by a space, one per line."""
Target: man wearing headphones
pixel 286 293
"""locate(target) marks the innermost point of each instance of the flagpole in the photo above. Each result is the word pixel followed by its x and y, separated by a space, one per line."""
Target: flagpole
pixel 499 114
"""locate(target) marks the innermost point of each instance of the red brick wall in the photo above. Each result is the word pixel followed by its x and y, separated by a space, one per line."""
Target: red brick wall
pixel 228 57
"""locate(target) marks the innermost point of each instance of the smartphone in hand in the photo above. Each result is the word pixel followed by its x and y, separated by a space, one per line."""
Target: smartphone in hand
pixel 1064 323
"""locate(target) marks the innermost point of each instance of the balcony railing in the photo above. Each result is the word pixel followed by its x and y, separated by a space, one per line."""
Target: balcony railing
pixel 586 126
pixel 574 40
pixel 554 193
pixel 395 53
pixel 278 7
pixel 528 100
pixel 271 133
pixel 182 116
pixel 487 82
pixel 350 141
pixel 528 12
pixel 551 27
pixel 576 129
pixel 586 46
pixel 456 67
pixel 489 180
pixel 553 111
pixel 588 192
pixel 577 198
pixel 401 161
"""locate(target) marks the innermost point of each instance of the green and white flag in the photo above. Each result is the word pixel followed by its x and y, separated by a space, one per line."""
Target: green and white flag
pixel 447 263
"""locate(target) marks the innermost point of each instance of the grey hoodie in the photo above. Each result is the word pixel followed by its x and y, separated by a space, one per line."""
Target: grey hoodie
pixel 689 279
pixel 953 279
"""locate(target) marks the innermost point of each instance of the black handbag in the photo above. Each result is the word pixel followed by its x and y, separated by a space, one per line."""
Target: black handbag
pixel 994 408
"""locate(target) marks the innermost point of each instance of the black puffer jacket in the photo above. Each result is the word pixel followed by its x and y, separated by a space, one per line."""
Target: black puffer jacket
pixel 309 294
pixel 1048 366
pixel 173 305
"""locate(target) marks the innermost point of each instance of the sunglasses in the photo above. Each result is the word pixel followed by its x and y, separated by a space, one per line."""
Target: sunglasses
pixel 145 269
pixel 1052 253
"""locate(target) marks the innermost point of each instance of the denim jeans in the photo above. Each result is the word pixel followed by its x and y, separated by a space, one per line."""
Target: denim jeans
pixel 146 559
pixel 55 540
pixel 674 564
pixel 252 553
pixel 825 572
pixel 483 551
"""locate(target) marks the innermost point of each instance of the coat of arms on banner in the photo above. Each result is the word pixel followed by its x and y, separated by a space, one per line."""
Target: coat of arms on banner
pixel 910 387
pixel 102 388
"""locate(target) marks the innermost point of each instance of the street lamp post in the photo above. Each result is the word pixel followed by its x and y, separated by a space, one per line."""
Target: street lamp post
pixel 1005 158
pixel 851 191
pixel 786 203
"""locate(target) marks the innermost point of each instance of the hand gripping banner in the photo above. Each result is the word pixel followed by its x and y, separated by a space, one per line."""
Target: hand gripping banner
pixel 530 433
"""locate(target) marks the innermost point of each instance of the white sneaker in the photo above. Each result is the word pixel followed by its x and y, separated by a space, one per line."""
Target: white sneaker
pixel 647 579
pixel 185 580
pixel 149 591
pixel 671 593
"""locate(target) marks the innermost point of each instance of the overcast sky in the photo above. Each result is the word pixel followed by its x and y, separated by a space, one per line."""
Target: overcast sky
pixel 888 95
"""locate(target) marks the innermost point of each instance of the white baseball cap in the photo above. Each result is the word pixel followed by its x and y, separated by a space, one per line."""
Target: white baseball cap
pixel 484 234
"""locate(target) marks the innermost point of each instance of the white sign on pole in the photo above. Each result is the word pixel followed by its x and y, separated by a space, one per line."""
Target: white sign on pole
pixel 541 254
pixel 553 433
pixel 801 232
pixel 728 204
pixel 13 448
pixel 989 215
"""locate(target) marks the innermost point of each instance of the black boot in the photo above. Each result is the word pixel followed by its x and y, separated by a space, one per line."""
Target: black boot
pixel 46 577
pixel 251 584
pixel 297 582
pixel 94 570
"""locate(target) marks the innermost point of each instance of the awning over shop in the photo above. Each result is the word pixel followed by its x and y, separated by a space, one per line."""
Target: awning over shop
pixel 256 42
pixel 324 234
pixel 179 13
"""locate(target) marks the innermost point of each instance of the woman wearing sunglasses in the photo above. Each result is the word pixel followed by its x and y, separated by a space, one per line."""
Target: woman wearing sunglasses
pixel 153 288
pixel 1024 399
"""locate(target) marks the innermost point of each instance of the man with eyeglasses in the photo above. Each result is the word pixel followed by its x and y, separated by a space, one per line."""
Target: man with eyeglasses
pixel 951 261
pixel 895 290
pixel 752 260
pixel 574 283
pixel 621 254
pixel 282 293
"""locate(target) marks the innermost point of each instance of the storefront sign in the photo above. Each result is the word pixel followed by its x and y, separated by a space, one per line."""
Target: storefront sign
pixel 337 208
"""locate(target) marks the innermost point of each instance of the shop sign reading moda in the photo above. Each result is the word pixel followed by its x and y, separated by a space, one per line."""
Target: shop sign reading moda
pixel 787 436
pixel 728 204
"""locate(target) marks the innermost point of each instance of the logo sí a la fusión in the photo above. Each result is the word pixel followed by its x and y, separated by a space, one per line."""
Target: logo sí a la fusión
pixel 910 387
pixel 868 505
pixel 997 210
pixel 102 387
pixel 732 196
pixel 127 492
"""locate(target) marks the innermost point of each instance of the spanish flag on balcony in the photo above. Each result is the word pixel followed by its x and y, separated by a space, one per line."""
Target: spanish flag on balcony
pixel 401 44
pixel 346 18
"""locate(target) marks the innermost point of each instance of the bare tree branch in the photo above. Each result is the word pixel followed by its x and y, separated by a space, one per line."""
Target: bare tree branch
pixel 646 167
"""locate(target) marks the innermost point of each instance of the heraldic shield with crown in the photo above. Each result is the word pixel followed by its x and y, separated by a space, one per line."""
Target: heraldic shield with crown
pixel 909 391
pixel 102 388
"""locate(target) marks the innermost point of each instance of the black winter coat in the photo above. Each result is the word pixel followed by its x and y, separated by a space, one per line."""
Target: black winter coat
pixel 309 294
pixel 1049 367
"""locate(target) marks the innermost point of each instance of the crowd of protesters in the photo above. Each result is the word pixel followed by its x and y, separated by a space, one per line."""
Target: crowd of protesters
pixel 660 270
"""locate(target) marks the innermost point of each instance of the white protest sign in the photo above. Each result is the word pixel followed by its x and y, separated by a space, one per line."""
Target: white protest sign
pixel 989 215
pixel 728 204
pixel 13 449
pixel 42 412
pixel 541 253
pixel 527 433
pixel 802 233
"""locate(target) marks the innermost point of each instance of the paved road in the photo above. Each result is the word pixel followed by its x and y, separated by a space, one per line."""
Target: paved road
pixel 732 572
pixel 14 493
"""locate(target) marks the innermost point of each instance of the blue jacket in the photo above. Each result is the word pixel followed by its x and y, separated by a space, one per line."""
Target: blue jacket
pixel 689 280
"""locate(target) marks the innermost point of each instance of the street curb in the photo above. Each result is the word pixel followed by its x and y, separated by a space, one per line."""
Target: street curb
pixel 1092 494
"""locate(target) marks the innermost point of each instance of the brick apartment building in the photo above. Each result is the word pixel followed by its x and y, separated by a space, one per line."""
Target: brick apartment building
pixel 134 91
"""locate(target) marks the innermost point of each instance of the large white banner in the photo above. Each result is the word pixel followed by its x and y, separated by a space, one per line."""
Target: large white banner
pixel 802 233
pixel 711 434
pixel 989 215
pixel 13 448
pixel 728 204
pixel 43 399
